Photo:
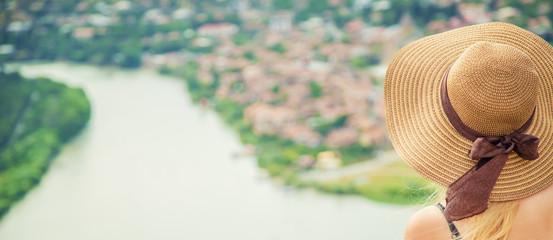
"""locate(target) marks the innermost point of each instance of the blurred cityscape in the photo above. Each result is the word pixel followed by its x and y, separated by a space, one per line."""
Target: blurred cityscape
pixel 300 80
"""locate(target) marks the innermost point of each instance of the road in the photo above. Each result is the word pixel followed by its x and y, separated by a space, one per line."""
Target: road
pixel 379 160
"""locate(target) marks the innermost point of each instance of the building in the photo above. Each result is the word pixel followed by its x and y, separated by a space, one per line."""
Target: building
pixel 83 33
pixel 217 29
pixel 281 22
pixel 328 160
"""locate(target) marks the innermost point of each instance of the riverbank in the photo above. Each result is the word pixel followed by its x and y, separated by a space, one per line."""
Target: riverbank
pixel 38 117
pixel 392 182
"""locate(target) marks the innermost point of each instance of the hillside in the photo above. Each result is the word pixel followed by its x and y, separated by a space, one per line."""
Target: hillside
pixel 38 117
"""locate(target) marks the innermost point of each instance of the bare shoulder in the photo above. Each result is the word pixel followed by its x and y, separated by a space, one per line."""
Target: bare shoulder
pixel 428 224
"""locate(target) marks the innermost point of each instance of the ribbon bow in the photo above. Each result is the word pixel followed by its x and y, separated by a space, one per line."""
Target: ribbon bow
pixel 525 145
pixel 469 194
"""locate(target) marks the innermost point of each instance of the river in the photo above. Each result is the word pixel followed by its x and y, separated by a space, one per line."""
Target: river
pixel 152 165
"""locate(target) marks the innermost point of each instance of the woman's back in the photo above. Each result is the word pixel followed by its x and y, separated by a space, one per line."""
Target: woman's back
pixel 534 220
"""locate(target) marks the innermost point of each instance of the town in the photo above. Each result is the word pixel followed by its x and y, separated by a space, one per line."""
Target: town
pixel 309 72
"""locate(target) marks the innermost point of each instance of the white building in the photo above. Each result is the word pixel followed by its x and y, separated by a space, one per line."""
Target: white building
pixel 281 22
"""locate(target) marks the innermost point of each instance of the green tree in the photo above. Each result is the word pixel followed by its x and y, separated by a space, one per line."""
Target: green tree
pixel 279 48
pixel 315 90
pixel 131 51
pixel 283 4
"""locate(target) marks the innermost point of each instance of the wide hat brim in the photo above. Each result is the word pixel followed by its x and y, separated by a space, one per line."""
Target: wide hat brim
pixel 420 130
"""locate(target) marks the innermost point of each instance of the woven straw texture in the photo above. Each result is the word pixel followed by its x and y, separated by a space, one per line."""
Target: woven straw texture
pixel 420 130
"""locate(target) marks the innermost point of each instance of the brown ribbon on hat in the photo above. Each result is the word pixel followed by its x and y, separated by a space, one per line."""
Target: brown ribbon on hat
pixel 469 194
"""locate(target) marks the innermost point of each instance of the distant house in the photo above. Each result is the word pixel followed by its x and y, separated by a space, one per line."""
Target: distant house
pixel 7 49
pixel 83 33
pixel 202 42
pixel 299 49
pixel 224 49
pixel 156 16
pixel 297 93
pixel 342 137
pixel 182 13
pixel 301 133
pixel 267 119
pixel 240 63
pixel 312 23
pixel 306 161
pixel 273 38
pixel 373 34
pixel 373 136
pixel 506 13
pixel 474 13
pixel 329 107
pixel 335 3
pixel 206 60
pixel 337 51
pixel 281 21
pixel 240 5
pixel 354 26
pixel 99 20
pixel 122 5
pixel 225 88
pixel 171 59
pixel 539 25
pixel 81 7
pixel 360 5
pixel 379 108
pixel 172 36
pixel 36 6
pixel 437 26
pixel 217 29
pixel 204 76
pixel 328 160
pixel 257 81
pixel 251 19
pixel 19 26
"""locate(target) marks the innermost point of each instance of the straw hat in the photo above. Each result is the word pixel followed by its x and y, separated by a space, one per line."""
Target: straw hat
pixel 499 77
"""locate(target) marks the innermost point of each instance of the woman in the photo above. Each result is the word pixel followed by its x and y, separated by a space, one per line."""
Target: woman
pixel 471 109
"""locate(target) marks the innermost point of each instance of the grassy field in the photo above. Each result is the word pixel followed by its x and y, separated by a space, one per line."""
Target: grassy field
pixel 393 183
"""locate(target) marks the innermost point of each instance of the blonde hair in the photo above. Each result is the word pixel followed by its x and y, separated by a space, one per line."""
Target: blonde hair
pixel 493 224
